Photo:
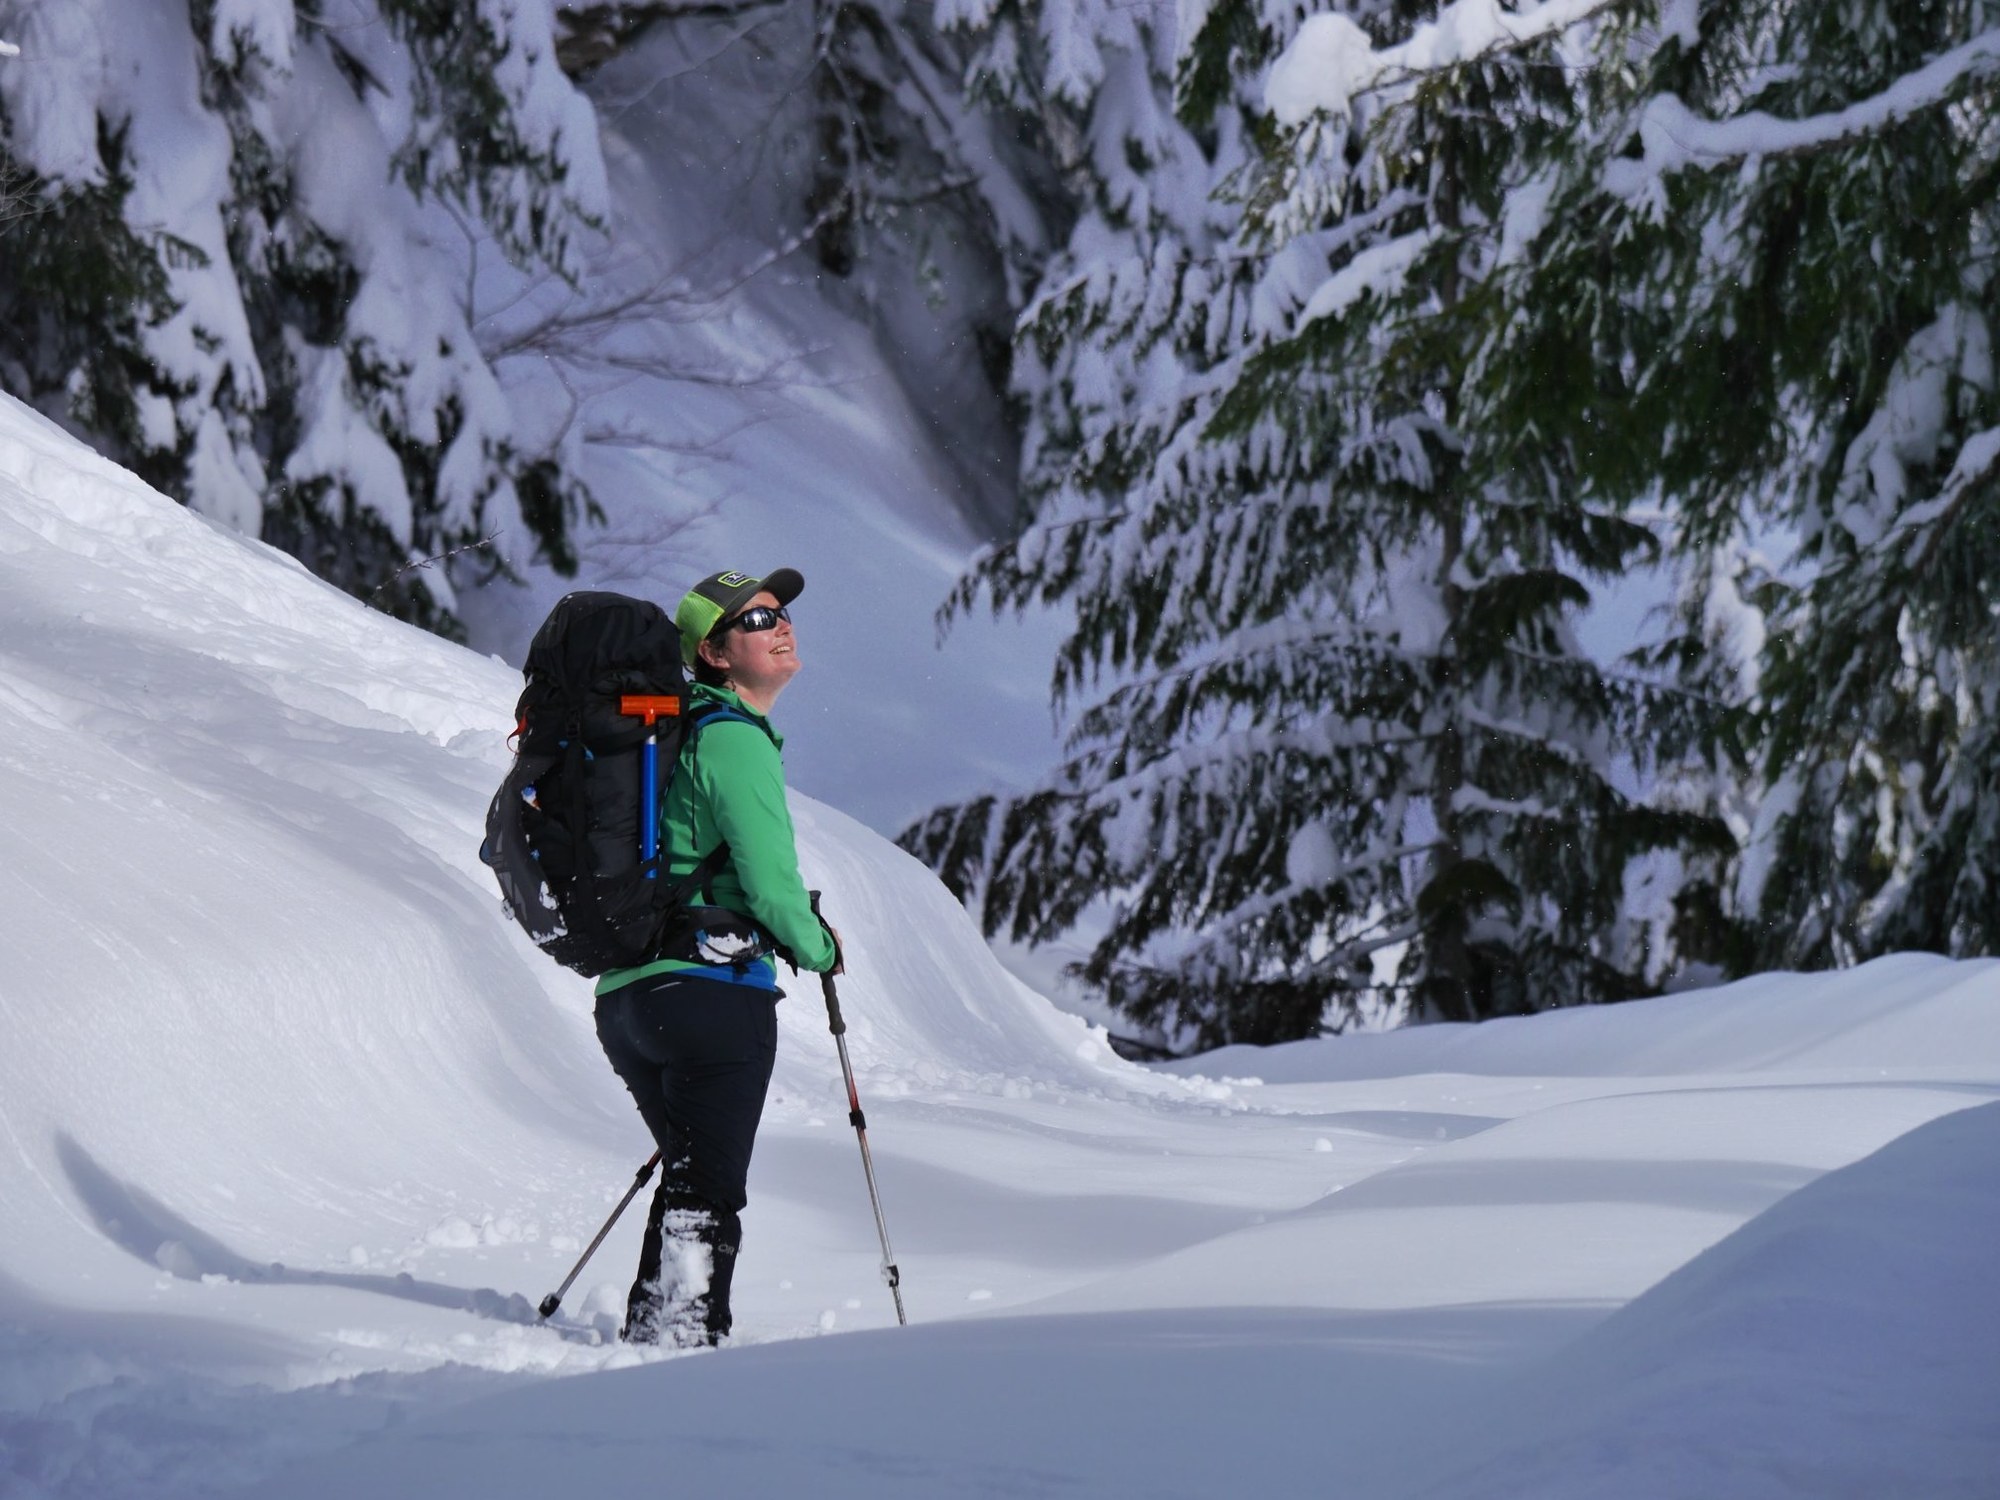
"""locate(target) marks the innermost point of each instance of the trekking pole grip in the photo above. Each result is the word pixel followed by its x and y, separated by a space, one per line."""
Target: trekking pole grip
pixel 833 1017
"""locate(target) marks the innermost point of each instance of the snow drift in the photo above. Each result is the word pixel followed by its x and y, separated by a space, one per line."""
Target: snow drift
pixel 299 1128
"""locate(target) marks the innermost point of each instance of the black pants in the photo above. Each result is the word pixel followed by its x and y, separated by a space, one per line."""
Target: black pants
pixel 697 1056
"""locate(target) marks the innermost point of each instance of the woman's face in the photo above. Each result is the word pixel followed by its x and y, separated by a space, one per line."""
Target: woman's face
pixel 759 662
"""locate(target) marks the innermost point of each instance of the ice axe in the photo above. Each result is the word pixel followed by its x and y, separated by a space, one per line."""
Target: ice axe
pixel 650 707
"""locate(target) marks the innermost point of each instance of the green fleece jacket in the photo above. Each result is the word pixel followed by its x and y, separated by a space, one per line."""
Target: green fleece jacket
pixel 730 785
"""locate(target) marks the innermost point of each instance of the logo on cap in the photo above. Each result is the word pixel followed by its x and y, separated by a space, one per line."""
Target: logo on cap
pixel 733 580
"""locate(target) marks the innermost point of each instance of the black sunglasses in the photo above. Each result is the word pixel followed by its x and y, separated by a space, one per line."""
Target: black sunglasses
pixel 760 617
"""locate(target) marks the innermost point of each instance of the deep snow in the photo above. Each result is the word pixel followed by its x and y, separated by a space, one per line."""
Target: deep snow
pixel 298 1128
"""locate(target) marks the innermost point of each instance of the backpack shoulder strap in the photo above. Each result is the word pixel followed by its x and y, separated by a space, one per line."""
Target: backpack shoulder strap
pixel 710 713
pixel 695 882
pixel 697 878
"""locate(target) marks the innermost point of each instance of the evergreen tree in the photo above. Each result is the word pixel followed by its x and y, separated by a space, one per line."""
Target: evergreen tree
pixel 236 278
pixel 1771 264
pixel 1323 614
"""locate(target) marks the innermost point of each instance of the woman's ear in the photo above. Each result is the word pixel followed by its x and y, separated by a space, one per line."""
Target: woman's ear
pixel 706 651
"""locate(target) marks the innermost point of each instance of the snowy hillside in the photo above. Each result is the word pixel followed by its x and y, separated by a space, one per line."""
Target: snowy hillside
pixel 299 1129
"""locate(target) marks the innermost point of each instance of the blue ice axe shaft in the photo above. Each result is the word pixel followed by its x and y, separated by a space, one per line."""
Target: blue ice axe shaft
pixel 652 708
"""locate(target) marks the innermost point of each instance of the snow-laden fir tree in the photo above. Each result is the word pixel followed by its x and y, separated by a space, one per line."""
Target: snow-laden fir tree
pixel 1328 707
pixel 242 276
pixel 1775 256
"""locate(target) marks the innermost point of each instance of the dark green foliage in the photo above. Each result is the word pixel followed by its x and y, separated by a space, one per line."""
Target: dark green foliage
pixel 1328 704
pixel 1800 346
pixel 469 142
pixel 77 287
pixel 226 356
pixel 1323 592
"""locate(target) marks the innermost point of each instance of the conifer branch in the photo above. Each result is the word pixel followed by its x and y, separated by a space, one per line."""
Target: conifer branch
pixel 1721 143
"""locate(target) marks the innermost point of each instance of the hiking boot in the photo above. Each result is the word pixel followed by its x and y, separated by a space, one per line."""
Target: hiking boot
pixel 686 1264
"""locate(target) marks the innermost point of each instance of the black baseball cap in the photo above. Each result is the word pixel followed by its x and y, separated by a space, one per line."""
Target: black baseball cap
pixel 720 595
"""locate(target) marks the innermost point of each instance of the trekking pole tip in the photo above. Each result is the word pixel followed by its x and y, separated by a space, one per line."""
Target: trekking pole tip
pixel 549 1305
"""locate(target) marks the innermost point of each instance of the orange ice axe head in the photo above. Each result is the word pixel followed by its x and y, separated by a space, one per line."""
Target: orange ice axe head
pixel 649 706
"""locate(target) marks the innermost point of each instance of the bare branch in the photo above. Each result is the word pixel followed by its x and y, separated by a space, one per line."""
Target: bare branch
pixel 16 200
pixel 425 562
pixel 591 35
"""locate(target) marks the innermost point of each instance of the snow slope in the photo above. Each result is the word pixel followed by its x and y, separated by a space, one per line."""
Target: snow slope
pixel 298 1129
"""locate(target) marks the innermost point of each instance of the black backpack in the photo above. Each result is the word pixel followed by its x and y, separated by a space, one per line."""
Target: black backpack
pixel 563 835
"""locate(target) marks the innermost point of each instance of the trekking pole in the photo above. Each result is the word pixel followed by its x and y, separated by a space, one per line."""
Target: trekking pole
pixel 889 1272
pixel 554 1299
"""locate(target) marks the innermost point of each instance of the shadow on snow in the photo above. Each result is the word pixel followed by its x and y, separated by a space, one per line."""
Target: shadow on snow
pixel 141 1225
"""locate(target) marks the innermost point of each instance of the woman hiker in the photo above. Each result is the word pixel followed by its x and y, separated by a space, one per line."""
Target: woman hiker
pixel 694 1035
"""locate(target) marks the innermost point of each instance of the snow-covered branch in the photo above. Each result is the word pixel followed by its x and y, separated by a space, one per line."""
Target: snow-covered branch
pixel 1674 136
pixel 1927 522
pixel 1331 61
pixel 1379 270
